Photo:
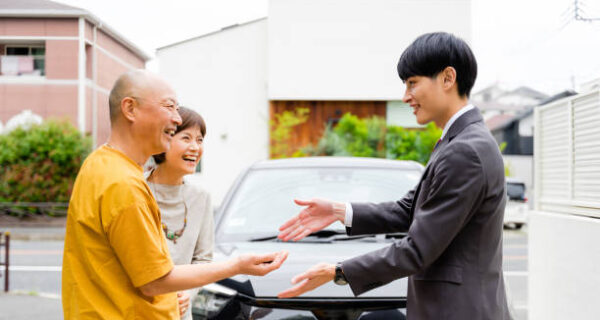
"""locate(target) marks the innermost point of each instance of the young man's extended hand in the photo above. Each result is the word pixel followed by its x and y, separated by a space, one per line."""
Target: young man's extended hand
pixel 313 278
pixel 317 215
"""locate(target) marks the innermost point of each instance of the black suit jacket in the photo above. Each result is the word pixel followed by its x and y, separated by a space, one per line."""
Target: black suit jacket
pixel 453 251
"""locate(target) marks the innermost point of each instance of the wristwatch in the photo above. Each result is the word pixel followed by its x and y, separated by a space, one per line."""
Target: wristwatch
pixel 340 278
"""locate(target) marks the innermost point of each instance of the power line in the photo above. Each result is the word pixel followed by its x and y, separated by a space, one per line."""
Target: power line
pixel 579 12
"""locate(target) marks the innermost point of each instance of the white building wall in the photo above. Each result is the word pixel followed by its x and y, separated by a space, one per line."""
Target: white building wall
pixel 223 77
pixel 349 49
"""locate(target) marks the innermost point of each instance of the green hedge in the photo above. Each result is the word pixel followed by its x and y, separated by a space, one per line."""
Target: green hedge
pixel 372 137
pixel 40 164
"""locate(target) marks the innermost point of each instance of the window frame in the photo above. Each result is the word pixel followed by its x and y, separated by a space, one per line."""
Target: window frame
pixel 36 57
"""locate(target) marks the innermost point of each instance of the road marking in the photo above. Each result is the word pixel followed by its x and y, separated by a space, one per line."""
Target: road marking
pixel 26 252
pixel 49 295
pixel 36 294
pixel 35 268
pixel 516 273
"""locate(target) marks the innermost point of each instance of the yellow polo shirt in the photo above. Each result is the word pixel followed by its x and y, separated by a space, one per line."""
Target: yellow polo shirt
pixel 114 244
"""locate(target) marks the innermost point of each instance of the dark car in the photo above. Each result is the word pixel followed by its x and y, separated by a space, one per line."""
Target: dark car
pixel 262 199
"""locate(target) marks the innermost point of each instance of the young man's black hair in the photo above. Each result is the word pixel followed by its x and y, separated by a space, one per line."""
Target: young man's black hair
pixel 431 53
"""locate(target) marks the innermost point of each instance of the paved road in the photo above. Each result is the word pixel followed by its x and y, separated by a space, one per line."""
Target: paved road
pixel 34 281
pixel 20 306
pixel 36 271
pixel 515 270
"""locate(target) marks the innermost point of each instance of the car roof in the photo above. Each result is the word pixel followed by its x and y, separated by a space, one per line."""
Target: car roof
pixel 514 180
pixel 337 162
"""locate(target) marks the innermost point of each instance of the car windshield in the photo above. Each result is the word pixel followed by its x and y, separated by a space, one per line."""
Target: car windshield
pixel 264 199
pixel 515 191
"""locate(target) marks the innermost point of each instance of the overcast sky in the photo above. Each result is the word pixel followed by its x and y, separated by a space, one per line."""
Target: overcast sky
pixel 535 43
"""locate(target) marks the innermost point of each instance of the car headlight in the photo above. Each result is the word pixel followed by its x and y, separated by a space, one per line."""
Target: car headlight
pixel 211 299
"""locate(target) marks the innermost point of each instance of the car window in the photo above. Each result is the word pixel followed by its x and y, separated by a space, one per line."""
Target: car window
pixel 264 199
pixel 515 191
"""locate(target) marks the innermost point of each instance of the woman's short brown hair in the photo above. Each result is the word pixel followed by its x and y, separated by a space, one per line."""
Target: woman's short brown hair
pixel 189 118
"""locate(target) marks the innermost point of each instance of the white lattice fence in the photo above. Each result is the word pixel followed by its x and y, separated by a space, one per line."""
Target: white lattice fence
pixel 567 155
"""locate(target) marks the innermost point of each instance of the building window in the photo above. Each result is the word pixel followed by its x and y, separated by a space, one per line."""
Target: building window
pixel 23 60
pixel 89 59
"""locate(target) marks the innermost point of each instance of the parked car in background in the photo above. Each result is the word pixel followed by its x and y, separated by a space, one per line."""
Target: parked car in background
pixel 262 199
pixel 517 208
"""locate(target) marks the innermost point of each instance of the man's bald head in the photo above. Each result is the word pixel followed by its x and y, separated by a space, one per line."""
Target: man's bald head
pixel 135 83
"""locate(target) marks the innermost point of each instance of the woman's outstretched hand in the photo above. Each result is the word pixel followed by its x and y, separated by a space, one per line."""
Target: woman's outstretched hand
pixel 260 264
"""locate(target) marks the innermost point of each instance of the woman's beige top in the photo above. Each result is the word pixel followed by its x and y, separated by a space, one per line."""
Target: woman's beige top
pixel 197 241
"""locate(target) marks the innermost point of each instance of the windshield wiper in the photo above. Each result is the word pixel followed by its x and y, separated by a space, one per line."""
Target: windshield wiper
pixel 263 238
pixel 322 234
pixel 328 236
pixel 327 233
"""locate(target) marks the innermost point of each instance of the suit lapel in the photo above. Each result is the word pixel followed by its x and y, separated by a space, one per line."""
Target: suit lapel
pixel 462 122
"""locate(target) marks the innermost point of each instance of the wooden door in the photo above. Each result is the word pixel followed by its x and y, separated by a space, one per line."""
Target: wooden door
pixel 321 114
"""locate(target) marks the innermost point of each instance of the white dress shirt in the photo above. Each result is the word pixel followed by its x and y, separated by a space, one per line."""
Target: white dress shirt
pixel 460 112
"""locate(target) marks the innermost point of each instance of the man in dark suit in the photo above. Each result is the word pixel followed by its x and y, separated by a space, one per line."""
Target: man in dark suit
pixel 452 253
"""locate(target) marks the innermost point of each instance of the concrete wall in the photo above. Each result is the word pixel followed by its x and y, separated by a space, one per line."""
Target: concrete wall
pixel 103 117
pixel 223 77
pixel 564 266
pixel 61 59
pixel 67 27
pixel 113 60
pixel 118 50
pixel 46 100
pixel 349 49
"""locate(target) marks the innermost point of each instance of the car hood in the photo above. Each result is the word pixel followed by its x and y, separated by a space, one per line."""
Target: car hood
pixel 301 257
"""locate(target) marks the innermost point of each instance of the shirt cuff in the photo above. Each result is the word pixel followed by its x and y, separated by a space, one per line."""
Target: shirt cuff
pixel 349 214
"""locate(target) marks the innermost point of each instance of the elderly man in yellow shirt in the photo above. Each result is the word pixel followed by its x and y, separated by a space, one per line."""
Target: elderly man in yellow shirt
pixel 116 264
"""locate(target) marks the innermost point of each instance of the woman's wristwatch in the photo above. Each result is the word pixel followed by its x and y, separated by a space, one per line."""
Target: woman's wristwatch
pixel 340 278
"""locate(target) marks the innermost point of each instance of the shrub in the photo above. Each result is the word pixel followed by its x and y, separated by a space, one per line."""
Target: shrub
pixel 414 145
pixel 372 137
pixel 330 144
pixel 362 137
pixel 40 164
pixel 281 130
